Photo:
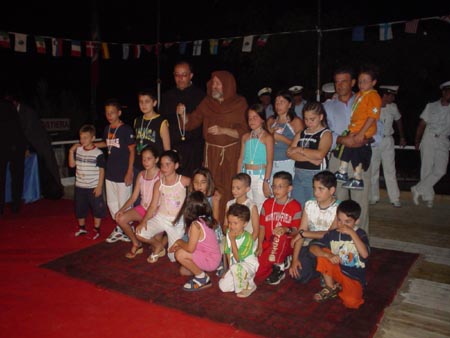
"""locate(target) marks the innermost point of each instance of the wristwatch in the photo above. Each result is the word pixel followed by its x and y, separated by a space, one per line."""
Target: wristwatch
pixel 301 233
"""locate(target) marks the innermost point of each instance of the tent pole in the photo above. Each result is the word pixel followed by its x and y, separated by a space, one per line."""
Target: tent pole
pixel 319 46
pixel 158 71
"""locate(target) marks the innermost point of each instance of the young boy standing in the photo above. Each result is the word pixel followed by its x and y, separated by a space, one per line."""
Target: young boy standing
pixel 240 186
pixel 318 216
pixel 90 173
pixel 365 112
pixel 239 249
pixel 279 219
pixel 150 128
pixel 342 256
pixel 120 143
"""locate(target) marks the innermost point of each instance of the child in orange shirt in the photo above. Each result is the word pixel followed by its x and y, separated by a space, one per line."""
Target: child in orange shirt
pixel 365 112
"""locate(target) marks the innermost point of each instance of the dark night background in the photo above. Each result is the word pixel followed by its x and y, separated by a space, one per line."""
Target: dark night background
pixel 60 87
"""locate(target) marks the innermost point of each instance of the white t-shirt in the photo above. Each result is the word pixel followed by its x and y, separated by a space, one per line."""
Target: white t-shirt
pixel 319 219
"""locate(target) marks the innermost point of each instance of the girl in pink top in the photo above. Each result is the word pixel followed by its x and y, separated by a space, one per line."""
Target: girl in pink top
pixel 144 186
pixel 202 252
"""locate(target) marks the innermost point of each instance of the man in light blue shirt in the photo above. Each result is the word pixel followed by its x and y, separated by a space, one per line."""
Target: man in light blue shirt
pixel 339 111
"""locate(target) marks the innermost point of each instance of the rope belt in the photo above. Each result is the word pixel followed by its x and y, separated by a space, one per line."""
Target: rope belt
pixel 222 151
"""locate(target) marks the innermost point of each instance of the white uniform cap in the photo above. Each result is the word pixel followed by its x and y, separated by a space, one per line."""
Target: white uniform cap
pixel 265 91
pixel 328 88
pixel 296 90
pixel 445 85
pixel 390 89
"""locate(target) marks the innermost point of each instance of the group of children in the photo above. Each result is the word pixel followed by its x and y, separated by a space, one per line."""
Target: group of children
pixel 265 233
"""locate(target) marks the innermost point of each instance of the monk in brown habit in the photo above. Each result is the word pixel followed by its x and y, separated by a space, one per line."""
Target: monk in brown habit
pixel 222 113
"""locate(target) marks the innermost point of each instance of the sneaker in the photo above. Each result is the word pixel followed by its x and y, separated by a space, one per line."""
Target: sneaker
pixel 125 238
pixel 116 235
pixel 287 262
pixel 81 232
pixel 415 195
pixel 341 177
pixel 397 204
pixel 354 184
pixel 276 276
pixel 246 292
pixel 220 270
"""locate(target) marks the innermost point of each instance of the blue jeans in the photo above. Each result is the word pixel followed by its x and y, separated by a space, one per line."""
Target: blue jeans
pixel 302 186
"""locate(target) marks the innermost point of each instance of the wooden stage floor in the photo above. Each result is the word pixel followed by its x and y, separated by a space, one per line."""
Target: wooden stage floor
pixel 422 306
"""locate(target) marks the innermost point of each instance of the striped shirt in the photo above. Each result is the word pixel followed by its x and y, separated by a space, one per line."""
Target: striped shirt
pixel 88 164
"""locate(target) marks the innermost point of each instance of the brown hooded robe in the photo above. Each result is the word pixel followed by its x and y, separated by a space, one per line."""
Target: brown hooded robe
pixel 221 152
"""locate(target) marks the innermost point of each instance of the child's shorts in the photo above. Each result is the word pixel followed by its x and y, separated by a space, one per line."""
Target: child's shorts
pixel 352 291
pixel 140 210
pixel 358 155
pixel 85 199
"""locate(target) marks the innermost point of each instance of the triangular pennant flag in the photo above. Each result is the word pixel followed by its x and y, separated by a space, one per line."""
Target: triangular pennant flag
pixel 213 46
pixel 56 47
pixel 226 42
pixel 197 49
pixel 385 31
pixel 262 40
pixel 4 40
pixel 20 44
pixel 40 44
pixel 247 44
pixel 90 49
pixel 125 51
pixel 445 18
pixel 358 33
pixel 182 47
pixel 137 51
pixel 105 51
pixel 411 26
pixel 75 48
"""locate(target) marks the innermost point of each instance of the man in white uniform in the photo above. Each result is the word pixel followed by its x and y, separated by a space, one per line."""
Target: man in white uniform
pixel 432 137
pixel 299 101
pixel 383 151
pixel 265 98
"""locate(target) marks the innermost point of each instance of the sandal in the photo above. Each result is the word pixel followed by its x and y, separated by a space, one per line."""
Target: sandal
pixel 325 294
pixel 135 250
pixel 197 284
pixel 153 258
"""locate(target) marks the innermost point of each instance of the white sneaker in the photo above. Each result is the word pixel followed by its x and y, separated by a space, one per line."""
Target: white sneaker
pixel 415 195
pixel 116 235
pixel 246 292
pixel 397 204
pixel 81 232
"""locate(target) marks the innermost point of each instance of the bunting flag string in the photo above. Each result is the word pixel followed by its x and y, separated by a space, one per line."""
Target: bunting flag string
pixel 19 43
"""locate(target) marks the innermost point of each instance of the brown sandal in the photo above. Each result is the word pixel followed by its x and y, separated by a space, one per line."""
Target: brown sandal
pixel 135 250
pixel 325 294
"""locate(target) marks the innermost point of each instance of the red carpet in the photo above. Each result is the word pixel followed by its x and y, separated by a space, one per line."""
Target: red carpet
pixel 42 301
pixel 39 303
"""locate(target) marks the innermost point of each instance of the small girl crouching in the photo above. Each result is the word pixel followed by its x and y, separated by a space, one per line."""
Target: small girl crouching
pixel 201 253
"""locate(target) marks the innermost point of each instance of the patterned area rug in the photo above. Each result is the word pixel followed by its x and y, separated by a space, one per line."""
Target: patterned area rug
pixel 285 310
